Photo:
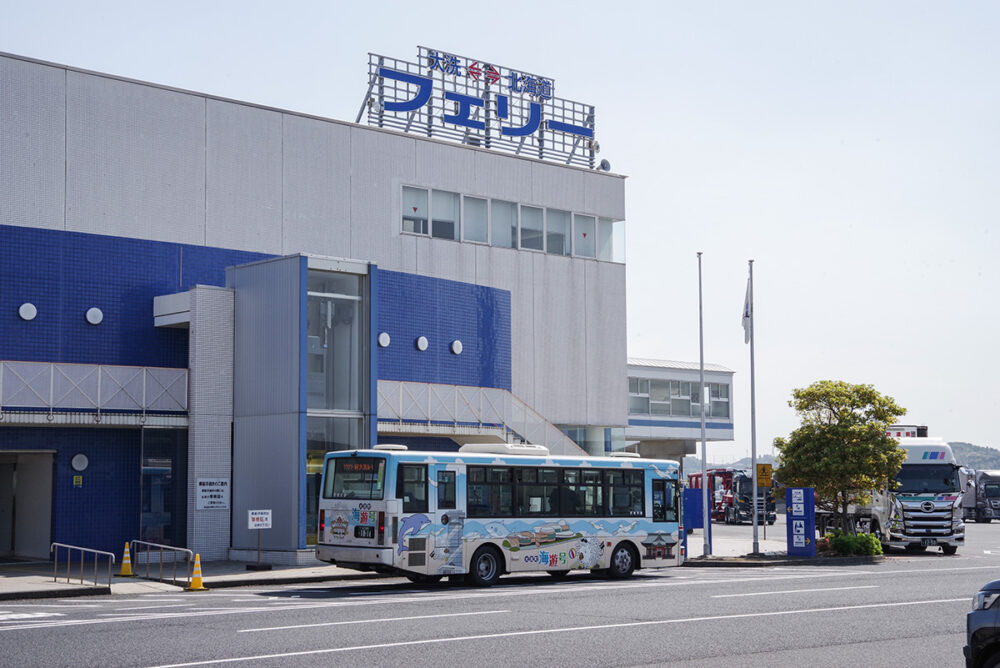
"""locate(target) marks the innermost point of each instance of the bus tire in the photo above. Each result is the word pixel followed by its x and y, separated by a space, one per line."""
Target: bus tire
pixel 485 568
pixel 623 561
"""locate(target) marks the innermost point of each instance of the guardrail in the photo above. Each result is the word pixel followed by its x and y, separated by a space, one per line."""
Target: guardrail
pixel 69 560
pixel 151 547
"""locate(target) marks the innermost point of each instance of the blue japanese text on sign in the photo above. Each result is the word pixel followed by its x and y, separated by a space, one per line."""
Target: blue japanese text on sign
pixel 800 514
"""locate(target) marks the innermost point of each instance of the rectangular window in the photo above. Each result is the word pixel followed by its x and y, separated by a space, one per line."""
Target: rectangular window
pixel 532 228
pixel 664 501
pixel 504 223
pixel 475 227
pixel 354 478
pixel 581 494
pixel 625 493
pixel 557 225
pixel 584 243
pixel 490 491
pixel 538 493
pixel 446 489
pixel 638 404
pixel 445 215
pixel 411 487
pixel 605 239
pixel 414 210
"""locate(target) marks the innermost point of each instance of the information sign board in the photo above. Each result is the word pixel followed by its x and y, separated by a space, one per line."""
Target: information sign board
pixel 259 519
pixel 763 475
pixel 213 494
pixel 800 515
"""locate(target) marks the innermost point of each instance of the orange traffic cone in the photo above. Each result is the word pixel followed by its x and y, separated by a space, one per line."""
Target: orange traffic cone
pixel 126 564
pixel 196 584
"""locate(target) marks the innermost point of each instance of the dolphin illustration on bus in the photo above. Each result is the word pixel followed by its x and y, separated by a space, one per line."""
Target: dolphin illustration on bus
pixel 410 526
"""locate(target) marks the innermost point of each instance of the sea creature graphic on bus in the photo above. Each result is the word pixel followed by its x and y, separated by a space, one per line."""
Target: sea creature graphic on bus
pixel 410 527
pixel 590 551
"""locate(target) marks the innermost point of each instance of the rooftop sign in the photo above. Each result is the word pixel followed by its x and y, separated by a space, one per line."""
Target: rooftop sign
pixel 478 103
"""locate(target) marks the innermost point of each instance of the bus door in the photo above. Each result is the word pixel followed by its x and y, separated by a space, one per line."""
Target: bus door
pixel 449 515
pixel 661 544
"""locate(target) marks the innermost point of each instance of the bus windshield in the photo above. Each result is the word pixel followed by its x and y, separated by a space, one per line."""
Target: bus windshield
pixel 927 479
pixel 354 478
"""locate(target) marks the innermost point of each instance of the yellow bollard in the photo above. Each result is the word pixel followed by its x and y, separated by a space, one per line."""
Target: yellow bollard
pixel 196 584
pixel 126 564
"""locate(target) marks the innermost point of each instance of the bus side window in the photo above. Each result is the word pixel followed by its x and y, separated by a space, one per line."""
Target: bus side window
pixel 411 487
pixel 446 489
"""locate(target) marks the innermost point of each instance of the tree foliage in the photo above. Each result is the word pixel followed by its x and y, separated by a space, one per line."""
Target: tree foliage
pixel 841 448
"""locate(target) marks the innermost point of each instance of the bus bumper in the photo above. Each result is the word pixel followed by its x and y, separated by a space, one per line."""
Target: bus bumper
pixel 344 555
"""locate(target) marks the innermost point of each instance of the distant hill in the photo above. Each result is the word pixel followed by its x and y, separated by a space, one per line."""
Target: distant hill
pixel 693 464
pixel 976 456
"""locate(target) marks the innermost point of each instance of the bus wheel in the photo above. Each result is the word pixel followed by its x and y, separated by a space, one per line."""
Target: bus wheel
pixel 420 578
pixel 485 567
pixel 622 562
pixel 558 575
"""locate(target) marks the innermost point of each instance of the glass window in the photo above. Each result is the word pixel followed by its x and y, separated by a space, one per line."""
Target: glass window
pixel 584 243
pixel 638 404
pixel 532 228
pixel 163 517
pixel 659 390
pixel 446 214
pixel 664 501
pixel 446 489
pixel 659 407
pixel 557 225
pixel 538 493
pixel 504 218
pixel 334 340
pixel 633 385
pixel 605 239
pixel 411 487
pixel 476 219
pixel 354 478
pixel 625 493
pixel 490 492
pixel 414 210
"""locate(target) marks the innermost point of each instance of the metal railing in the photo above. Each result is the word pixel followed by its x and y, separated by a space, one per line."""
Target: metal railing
pixel 152 548
pixel 69 560
pixel 462 409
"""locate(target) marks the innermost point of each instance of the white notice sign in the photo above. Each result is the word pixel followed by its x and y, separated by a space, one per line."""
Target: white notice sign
pixel 259 519
pixel 212 494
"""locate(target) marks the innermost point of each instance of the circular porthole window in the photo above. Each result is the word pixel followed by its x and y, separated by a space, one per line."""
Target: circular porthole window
pixel 27 311
pixel 456 347
pixel 422 343
pixel 79 462
pixel 95 316
pixel 384 340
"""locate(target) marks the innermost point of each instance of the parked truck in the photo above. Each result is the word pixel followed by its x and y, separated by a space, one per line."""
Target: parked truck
pixel 987 493
pixel 924 508
pixel 731 492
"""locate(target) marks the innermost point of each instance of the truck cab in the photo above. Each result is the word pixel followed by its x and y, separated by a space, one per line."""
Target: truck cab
pixel 987 491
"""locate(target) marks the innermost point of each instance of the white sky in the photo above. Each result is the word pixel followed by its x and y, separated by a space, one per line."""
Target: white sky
pixel 849 148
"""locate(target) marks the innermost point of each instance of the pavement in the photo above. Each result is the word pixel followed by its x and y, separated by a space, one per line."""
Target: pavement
pixel 35 579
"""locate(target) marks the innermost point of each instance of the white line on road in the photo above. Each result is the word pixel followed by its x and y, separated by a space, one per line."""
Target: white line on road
pixel 155 607
pixel 368 621
pixel 792 591
pixel 569 629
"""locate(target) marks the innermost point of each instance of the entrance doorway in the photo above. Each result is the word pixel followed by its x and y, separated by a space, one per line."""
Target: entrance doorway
pixel 25 504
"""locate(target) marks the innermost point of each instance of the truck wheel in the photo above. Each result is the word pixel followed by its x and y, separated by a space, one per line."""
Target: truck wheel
pixel 949 549
pixel 622 562
pixel 485 568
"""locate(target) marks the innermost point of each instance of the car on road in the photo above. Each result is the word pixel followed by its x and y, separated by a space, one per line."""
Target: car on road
pixel 982 628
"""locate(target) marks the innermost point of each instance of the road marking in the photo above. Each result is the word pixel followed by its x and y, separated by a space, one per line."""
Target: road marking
pixel 368 621
pixel 155 607
pixel 568 629
pixel 793 591
pixel 6 616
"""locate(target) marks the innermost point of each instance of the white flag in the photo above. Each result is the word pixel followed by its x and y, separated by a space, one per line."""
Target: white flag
pixel 747 315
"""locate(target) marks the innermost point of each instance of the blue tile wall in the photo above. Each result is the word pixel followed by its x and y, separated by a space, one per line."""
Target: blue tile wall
pixel 65 273
pixel 411 306
pixel 104 512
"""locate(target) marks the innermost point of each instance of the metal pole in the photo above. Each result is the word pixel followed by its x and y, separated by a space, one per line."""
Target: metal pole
pixel 753 424
pixel 706 512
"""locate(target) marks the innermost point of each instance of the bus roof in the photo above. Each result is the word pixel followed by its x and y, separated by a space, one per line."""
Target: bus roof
pixel 508 459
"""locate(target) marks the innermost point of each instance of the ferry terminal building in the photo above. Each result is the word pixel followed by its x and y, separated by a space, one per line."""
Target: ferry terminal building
pixel 200 297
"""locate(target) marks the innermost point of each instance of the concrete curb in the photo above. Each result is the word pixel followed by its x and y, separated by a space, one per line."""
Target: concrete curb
pixel 758 561
pixel 291 579
pixel 58 593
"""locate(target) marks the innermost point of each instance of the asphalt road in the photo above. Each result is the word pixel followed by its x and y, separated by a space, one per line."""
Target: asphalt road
pixel 908 610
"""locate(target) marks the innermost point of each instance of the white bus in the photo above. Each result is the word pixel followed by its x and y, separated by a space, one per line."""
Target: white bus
pixel 490 509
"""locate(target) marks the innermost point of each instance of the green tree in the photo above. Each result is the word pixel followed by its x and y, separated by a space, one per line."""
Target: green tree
pixel 841 448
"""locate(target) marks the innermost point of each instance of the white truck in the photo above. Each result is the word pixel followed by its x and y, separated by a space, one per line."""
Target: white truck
pixel 987 495
pixel 925 508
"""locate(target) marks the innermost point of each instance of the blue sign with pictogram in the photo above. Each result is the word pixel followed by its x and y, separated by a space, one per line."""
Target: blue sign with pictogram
pixel 800 515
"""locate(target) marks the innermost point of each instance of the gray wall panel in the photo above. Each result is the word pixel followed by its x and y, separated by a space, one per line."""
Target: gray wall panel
pixel 316 190
pixel 607 368
pixel 558 187
pixel 243 178
pixel 135 160
pixel 266 463
pixel 604 195
pixel 32 144
pixel 380 162
pixel 502 177
pixel 445 167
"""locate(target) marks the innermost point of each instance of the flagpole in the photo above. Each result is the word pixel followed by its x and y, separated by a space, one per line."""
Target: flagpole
pixel 706 512
pixel 753 424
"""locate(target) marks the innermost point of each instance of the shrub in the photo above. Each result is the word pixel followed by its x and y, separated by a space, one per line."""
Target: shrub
pixel 847 544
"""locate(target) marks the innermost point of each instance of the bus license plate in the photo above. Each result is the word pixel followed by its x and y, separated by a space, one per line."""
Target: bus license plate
pixel 928 541
pixel 362 531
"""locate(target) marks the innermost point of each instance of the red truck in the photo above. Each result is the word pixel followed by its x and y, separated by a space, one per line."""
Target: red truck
pixel 731 492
